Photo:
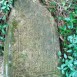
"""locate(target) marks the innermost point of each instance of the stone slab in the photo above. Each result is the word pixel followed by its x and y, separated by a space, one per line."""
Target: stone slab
pixel 35 39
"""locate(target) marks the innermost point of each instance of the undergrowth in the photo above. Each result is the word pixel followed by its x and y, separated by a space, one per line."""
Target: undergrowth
pixel 65 14
pixel 5 8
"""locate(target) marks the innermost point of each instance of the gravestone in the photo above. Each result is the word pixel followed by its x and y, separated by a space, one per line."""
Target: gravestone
pixel 35 40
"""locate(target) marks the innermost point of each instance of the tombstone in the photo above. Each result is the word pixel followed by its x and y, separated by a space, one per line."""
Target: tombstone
pixel 32 41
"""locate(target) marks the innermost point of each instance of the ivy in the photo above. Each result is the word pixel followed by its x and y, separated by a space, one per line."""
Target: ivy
pixel 5 8
pixel 68 31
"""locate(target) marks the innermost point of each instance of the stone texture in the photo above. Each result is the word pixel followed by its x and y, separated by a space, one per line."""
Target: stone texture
pixel 1 66
pixel 35 39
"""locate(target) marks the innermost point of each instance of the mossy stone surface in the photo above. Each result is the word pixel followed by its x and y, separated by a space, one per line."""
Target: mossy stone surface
pixel 36 41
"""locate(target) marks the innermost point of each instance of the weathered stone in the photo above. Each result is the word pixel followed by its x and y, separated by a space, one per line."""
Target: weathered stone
pixel 1 66
pixel 35 40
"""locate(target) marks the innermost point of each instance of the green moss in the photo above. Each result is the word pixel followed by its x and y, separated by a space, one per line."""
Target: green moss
pixel 14 26
pixel 9 41
pixel 14 23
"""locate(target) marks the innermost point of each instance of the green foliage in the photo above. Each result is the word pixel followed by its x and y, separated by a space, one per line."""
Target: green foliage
pixel 5 8
pixel 68 31
pixel 6 5
pixel 66 11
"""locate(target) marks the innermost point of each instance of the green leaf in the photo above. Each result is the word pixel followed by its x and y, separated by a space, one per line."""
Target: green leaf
pixel 75 54
pixel 3 32
pixel 70 38
pixel 67 74
pixel 70 57
pixel 67 19
pixel 59 53
pixel 65 8
pixel 69 51
pixel 63 66
pixel 70 27
pixel 65 56
pixel 75 62
pixel 2 38
pixel 63 72
pixel 63 60
pixel 73 74
pixel 63 3
pixel 4 18
pixel 70 45
pixel 5 25
pixel 59 68
pixel 4 7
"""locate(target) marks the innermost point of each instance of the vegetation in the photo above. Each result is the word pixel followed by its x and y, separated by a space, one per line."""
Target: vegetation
pixel 65 14
pixel 5 8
